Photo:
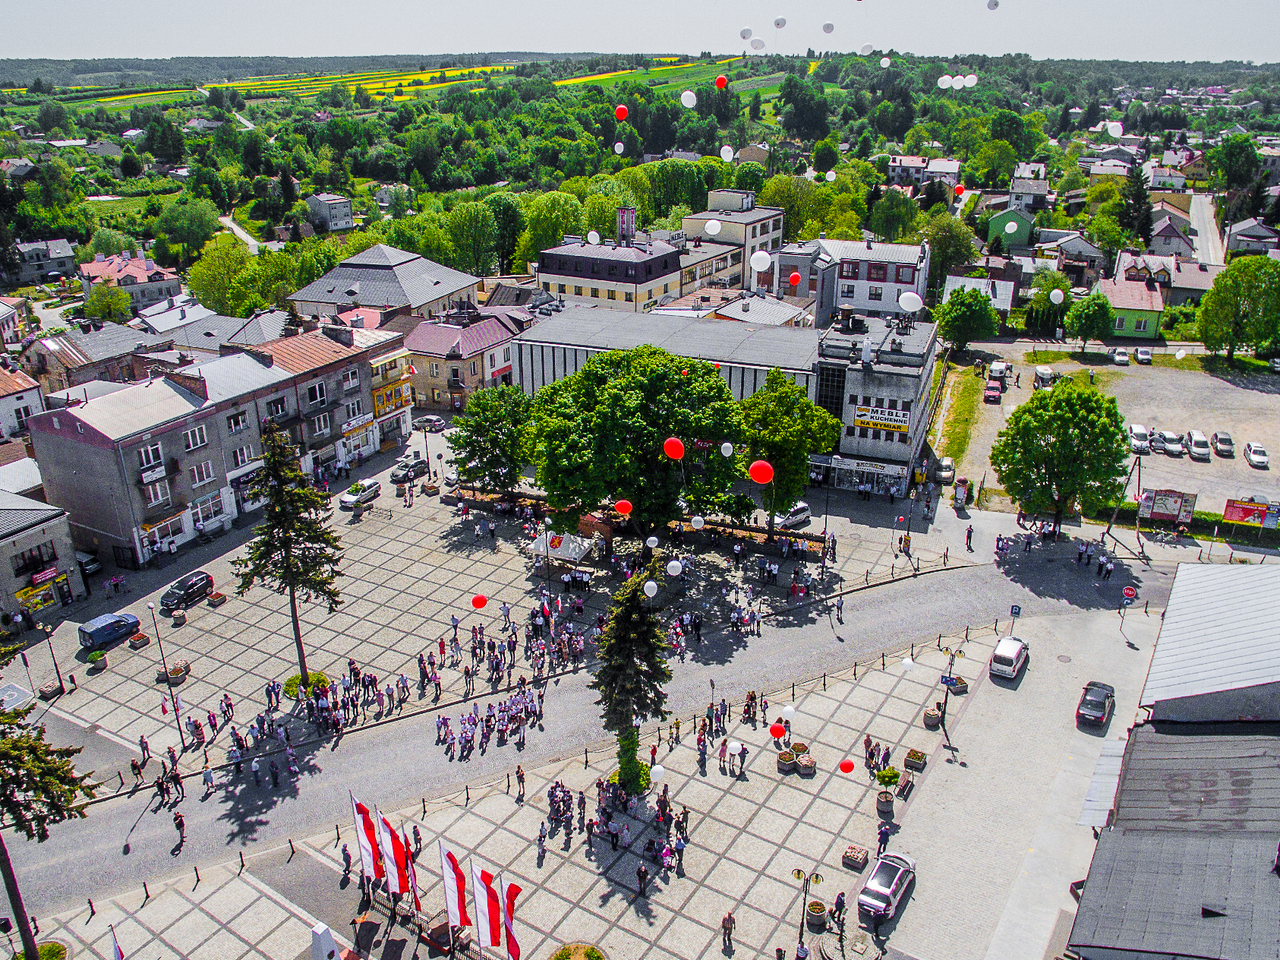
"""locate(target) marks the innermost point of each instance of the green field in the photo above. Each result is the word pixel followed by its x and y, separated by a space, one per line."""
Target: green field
pixel 125 205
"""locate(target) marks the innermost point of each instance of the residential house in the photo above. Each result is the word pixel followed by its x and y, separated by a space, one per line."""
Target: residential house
pixel 1269 164
pixel 145 281
pixel 382 197
pixel 15 314
pixel 20 398
pixel 1001 293
pixel 1180 281
pixel 1163 208
pixel 386 279
pixel 199 125
pixel 19 473
pixel 1167 239
pixel 170 313
pixel 18 169
pixel 1251 236
pixel 330 212
pixel 1164 178
pixel 1080 260
pixel 754 153
pixel 943 168
pixel 90 351
pixel 626 273
pixel 856 277
pixel 43 571
pixel 1137 305
pixel 1026 170
pixel 1103 169
pixel 704 263
pixel 765 310
pixel 907 170
pixel 1196 168
pixel 743 225
pixel 1019 236
pixel 1029 195
pixel 43 261
pixel 284 232
pixel 134 135
pixel 457 355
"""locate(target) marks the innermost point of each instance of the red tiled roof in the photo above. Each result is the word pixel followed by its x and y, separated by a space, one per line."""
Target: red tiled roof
pixel 308 351
pixel 116 268
pixel 1132 295
pixel 438 339
pixel 15 381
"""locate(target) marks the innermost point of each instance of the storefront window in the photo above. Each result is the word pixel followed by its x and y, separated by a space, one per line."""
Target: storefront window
pixel 207 508
pixel 37 558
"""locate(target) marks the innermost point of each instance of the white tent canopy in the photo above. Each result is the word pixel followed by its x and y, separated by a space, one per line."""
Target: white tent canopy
pixel 565 547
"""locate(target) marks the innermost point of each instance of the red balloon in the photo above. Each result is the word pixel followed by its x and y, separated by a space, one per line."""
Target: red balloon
pixel 479 601
pixel 795 278
pixel 761 471
pixel 620 111
pixel 777 731
pixel 673 448
pixel 959 189
pixel 846 766
pixel 722 81
pixel 623 507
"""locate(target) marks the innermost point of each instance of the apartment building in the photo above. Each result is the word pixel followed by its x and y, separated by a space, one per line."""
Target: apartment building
pixel 330 212
pixel 742 225
pixel 145 281
pixel 855 276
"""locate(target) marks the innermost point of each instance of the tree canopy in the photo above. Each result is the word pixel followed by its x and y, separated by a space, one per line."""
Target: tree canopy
pixel 1242 308
pixel 1090 318
pixel 491 438
pixel 967 315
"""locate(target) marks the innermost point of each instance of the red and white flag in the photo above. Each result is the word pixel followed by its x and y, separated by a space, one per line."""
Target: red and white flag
pixel 413 873
pixel 455 887
pixel 394 856
pixel 178 704
pixel 164 706
pixel 488 907
pixel 116 952
pixel 367 837
pixel 509 893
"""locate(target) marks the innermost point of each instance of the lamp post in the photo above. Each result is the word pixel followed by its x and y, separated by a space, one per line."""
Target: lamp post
pixel 807 879
pixel 173 701
pixel 946 695
pixel 48 637
pixel 911 512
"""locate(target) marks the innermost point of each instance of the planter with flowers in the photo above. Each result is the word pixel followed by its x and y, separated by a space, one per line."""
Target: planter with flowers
pixel 786 761
pixel 915 760
pixel 806 766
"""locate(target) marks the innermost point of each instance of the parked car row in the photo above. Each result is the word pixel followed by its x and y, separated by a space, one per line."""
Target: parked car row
pixel 1194 444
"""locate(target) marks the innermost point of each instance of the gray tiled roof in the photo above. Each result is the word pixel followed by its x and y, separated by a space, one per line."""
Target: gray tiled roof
pixel 383 276
pixel 236 374
pixel 19 513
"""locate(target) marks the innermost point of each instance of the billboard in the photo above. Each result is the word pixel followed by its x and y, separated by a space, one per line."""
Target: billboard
pixel 882 418
pixel 1166 505
pixel 1249 513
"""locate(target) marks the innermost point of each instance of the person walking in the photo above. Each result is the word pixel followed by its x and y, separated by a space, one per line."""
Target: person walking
pixel 275 775
pixel 726 930
pixel 146 749
pixel 884 833
pixel 519 780
pixel 207 776
pixel 1111 568
pixel 968 538
pixel 178 788
pixel 613 834
pixel 257 776
pixel 642 879
pixel 840 609
pixel 680 844
pixel 180 824
pixel 136 769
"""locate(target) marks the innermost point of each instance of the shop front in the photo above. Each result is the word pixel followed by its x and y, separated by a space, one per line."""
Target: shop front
pixel 391 406
pixel 48 586
pixel 241 489
pixel 858 475
pixel 161 536
pixel 359 439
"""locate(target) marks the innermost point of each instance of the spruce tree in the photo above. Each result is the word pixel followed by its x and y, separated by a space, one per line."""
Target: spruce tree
pixel 633 668
pixel 1135 217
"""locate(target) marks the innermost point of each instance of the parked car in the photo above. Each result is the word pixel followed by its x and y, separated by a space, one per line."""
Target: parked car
pixel 362 491
pixel 1096 703
pixel 1045 378
pixel 1119 356
pixel 1139 438
pixel 1142 355
pixel 451 479
pixel 1171 442
pixel 107 629
pixel 431 424
pixel 999 370
pixel 89 563
pixel 1157 441
pixel 1197 445
pixel 946 472
pixel 186 591
pixel 407 471
pixel 885 887
pixel 1275 364
pixel 1008 658
pixel 1256 455
pixel 1223 445
pixel 992 392
pixel 797 516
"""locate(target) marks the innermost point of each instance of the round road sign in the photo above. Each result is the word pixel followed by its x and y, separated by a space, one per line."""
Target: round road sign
pixel 1130 592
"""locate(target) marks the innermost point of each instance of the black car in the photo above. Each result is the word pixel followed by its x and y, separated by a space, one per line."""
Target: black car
pixel 1096 703
pixel 410 470
pixel 191 589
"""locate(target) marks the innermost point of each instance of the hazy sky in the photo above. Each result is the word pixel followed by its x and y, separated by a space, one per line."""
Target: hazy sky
pixel 1102 29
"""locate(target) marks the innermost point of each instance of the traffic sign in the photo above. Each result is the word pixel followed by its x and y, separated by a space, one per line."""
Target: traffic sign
pixel 1015 611
pixel 947 681
pixel 1127 601
pixel 1130 592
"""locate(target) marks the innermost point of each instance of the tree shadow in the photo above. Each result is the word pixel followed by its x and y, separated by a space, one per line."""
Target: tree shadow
pixel 246 806
pixel 1243 379
pixel 1050 570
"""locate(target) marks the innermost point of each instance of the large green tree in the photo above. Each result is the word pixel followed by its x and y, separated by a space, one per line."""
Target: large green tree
pixel 951 245
pixel 1061 448
pixel 893 215
pixel 39 787
pixel 474 231
pixel 633 668
pixel 491 438
pixel 599 436
pixel 966 316
pixel 783 427
pixel 1135 214
pixel 107 302
pixel 508 216
pixel 1090 318
pixel 188 222
pixel 294 550
pixel 212 276
pixel 1236 161
pixel 1242 308
pixel 548 217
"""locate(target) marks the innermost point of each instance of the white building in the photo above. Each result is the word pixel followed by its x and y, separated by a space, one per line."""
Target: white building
pixel 330 211
pixel 855 276
pixel 743 225
pixel 20 398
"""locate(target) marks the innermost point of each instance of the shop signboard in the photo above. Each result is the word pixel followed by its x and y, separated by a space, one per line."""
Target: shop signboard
pixel 882 418
pixel 43 576
pixel 1248 513
pixel 1166 505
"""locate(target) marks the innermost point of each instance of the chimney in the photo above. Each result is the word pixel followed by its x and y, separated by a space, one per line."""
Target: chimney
pixel 189 382
pixel 746 306
pixel 98 258
pixel 342 335
pixel 182 314
pixel 151 265
pixel 171 303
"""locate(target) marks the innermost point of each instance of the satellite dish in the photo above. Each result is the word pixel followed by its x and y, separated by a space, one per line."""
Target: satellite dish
pixel 593 238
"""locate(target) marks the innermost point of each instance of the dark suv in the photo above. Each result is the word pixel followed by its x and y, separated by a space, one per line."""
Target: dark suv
pixel 189 590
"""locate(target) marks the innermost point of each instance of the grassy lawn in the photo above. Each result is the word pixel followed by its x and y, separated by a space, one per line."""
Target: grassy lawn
pixel 966 395
pixel 124 205
pixel 1064 356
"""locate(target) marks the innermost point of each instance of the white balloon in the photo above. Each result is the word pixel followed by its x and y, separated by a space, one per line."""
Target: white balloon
pixel 726 153
pixel 831 176
pixel 828 27
pixel 1115 129
pixel 745 33
pixel 734 747
pixel 866 49
pixel 944 81
pixel 1057 296
pixel 712 228
pixel 618 147
pixel 993 4
pixel 726 449
pixel 651 543
pixel 674 568
pixel 907 664
pixel 757 44
pixel 779 22
pixel 910 301
pixel 689 99
pixel 650 589
pixel 1180 354
pixel 1011 227
pixel 656 773
pixel 697 523
pixel 593 237
pixel 760 261
pixel 971 80
pixel 885 61
pixel 788 712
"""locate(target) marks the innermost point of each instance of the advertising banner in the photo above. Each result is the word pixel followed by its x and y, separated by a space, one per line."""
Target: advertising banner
pixel 1246 512
pixel 882 418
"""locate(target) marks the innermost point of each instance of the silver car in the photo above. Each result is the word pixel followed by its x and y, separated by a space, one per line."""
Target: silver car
pixel 887 885
pixel 797 516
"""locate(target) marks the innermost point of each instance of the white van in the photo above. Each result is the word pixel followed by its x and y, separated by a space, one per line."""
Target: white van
pixel 1044 378
pixel 1197 445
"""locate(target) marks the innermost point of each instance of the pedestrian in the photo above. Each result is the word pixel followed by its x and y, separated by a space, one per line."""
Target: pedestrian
pixel 680 844
pixel 840 609
pixel 234 756
pixel 1080 548
pixel 724 750
pixel 275 775
pixel 883 834
pixel 591 831
pixel 726 929
pixel 642 879
pixel 207 776
pixel 146 749
pixel 653 754
pixel 178 788
pixel 1026 545
pixel 136 769
pixel 180 824
pixel 742 760
pixel 257 777
pixel 613 834
pixel 1111 568
pixel 1102 563
pixel 453 620
pixel 520 780
pixel 968 538
pixel 837 909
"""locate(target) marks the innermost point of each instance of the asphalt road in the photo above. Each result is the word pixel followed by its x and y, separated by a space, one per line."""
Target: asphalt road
pixel 127 840
pixel 1208 242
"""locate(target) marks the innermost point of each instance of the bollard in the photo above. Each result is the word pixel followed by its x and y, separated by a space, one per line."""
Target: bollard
pixel 146 894
pixel 824 681
pixel 337 837
pixel 882 664
pixel 508 783
pixel 424 808
pixel 855 669
pixel 291 850
pixel 241 863
pixel 585 762
pixel 197 870
pixel 913 651
pixel 1146 608
pixel 91 910
pixel 939 641
pixel 468 800
pixel 996 626
pixel 867 578
pixel 966 634
pixel 793 692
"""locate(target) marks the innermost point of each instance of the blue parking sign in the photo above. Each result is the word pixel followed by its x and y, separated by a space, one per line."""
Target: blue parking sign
pixel 1015 611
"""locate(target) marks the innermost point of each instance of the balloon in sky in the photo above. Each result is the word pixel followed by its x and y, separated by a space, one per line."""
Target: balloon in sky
pixel 777 731
pixel 726 153
pixel 885 61
pixel 1180 354
pixel 623 507
pixel 1115 129
pixel 1011 227
pixel 788 712
pixel 831 176
pixel 689 99
pixel 593 237
pixel 656 773
pixel 1057 296
pixel 760 261
pixel 971 80
pixel 650 589
pixel 651 542
pixel 674 568
pixel 712 228
pixel 866 49
pixel 745 33
pixel 780 22
pixel 828 27
pixel 761 471
pixel 479 601
pixel 959 189
pixel 910 301
pixel 846 766
pixel 757 44
pixel 721 82
pixel 618 148
pixel 993 4
pixel 735 746
pixel 944 81
pixel 795 278
pixel 697 523
pixel 620 111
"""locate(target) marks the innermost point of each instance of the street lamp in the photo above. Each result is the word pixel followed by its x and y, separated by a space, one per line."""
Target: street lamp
pixel 807 879
pixel 911 512
pixel 953 655
pixel 173 701
pixel 48 637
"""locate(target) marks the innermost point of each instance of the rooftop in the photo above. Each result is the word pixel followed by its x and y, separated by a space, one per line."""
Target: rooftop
pixel 78 347
pixel 1029 186
pixel 309 351
pixel 127 412
pixel 859 250
pixel 1132 294
pixel 385 277
pixel 896 348
pixel 762 310
pixel 999 292
pixel 121 266
pixel 21 513
pixel 442 339
pixel 236 374
pixel 13 380
pixel 20 476
pixel 637 253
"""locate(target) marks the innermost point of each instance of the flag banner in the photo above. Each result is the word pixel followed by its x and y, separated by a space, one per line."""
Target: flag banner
pixel 164 706
pixel 366 835
pixel 392 858
pixel 412 871
pixel 116 952
pixel 488 908
pixel 509 893
pixel 455 887
pixel 178 704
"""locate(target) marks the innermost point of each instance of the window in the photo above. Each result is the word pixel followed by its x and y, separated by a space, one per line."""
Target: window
pixel 354 409
pixel 577 291
pixel 455 373
pixel 435 369
pixel 849 269
pixel 23 414
pixel 202 473
pixel 207 508
pixel 194 438
pixel 156 493
pixel 1140 326
pixel 37 558
pixel 1119 323
pixel 611 294
pixel 241 456
pixel 755 230
pixel 546 286
pixel 150 455
pixel 351 378
pixel 904 437
pixel 595 293
pixel 850 431
pixel 320 425
pixel 777 223
pixel 666 288
pixel 506 352
pixel 877 271
pixel 163 531
pixel 875 293
pixel 906 273
pixel 316 394
pixel 277 407
pixel 630 298
pixel 863 433
pixel 559 288
pixel 237 422
pixel 735 257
